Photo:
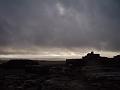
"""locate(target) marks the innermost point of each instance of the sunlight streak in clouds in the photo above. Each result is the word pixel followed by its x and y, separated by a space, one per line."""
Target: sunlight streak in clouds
pixel 60 8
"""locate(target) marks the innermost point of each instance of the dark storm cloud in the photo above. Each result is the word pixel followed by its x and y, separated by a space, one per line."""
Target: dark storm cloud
pixel 60 23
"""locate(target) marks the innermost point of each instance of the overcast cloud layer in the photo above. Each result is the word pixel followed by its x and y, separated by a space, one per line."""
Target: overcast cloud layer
pixel 60 24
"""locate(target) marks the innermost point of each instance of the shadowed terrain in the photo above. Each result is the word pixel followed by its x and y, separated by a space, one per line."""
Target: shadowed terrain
pixel 92 72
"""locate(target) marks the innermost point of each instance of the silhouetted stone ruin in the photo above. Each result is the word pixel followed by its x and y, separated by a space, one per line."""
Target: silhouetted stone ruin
pixel 94 59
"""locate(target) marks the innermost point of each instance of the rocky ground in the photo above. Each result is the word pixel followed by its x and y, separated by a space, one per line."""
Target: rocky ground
pixel 54 78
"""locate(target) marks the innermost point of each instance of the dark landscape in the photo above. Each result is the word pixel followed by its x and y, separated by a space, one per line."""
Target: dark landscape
pixel 44 44
pixel 92 72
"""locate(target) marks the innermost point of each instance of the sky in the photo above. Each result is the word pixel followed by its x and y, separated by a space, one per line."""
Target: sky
pixel 59 27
